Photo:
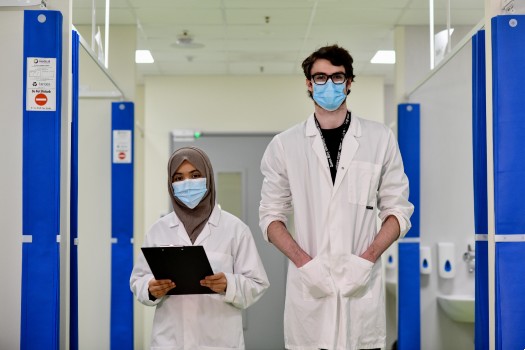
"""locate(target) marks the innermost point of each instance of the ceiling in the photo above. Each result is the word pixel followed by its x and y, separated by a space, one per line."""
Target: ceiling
pixel 268 36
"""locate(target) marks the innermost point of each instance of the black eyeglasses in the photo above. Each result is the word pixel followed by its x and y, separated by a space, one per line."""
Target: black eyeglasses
pixel 336 78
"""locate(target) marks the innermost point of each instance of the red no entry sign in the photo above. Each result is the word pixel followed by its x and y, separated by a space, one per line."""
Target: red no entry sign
pixel 41 99
pixel 121 155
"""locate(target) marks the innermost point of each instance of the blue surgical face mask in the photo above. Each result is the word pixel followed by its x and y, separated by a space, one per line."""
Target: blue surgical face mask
pixel 190 192
pixel 329 95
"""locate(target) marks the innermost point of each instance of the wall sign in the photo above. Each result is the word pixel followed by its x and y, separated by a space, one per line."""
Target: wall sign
pixel 121 146
pixel 41 84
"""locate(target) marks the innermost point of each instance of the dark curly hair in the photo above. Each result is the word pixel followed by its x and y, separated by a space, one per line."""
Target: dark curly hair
pixel 337 56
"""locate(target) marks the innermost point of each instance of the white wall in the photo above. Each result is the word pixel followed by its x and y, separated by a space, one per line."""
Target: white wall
pixel 138 225
pixel 412 48
pixel 390 108
pixel 94 179
pixel 94 224
pixel 229 103
pixel 11 60
pixel 121 65
pixel 446 203
pixel 447 199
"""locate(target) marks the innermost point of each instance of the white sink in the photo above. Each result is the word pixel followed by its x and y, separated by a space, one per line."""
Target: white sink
pixel 460 308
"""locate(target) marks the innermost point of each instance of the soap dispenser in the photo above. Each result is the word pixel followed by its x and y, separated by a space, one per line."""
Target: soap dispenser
pixel 446 261
pixel 391 257
pixel 425 261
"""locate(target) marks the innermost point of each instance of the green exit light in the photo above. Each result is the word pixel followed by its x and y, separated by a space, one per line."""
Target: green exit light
pixel 196 134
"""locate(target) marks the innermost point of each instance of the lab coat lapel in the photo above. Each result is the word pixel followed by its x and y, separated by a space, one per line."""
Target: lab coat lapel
pixel 205 233
pixel 181 232
pixel 213 220
pixel 318 147
pixel 350 146
pixel 319 150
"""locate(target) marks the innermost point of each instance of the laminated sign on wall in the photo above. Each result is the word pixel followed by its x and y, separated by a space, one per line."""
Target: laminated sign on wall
pixel 121 146
pixel 41 84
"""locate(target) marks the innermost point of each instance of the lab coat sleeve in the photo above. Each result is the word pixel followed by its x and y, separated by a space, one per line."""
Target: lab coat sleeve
pixel 140 277
pixel 276 197
pixel 248 282
pixel 393 188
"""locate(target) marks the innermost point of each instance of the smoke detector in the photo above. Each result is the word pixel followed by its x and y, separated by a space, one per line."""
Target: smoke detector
pixel 185 41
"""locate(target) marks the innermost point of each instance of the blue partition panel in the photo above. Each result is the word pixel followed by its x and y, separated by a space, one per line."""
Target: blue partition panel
pixel 73 293
pixel 408 134
pixel 479 132
pixel 510 291
pixel 40 313
pixel 509 122
pixel 409 296
pixel 508 57
pixel 479 150
pixel 481 313
pixel 122 225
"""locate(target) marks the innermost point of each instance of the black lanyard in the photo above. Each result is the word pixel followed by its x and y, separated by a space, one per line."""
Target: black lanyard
pixel 346 124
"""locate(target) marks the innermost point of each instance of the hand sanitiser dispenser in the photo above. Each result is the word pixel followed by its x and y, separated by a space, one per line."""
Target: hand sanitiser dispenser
pixel 425 262
pixel 391 257
pixel 446 261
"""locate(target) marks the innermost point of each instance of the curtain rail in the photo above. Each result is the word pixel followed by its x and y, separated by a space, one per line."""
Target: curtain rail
pixel 104 70
pixel 448 57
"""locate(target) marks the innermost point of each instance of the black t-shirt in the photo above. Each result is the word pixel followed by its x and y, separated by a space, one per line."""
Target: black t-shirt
pixel 332 138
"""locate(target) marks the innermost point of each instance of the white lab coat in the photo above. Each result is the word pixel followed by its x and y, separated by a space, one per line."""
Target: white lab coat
pixel 335 301
pixel 205 321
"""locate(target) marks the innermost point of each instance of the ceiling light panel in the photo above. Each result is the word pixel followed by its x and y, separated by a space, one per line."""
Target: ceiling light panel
pixel 143 56
pixel 384 57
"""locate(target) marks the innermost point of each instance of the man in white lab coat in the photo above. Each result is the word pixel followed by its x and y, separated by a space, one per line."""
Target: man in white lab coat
pixel 337 173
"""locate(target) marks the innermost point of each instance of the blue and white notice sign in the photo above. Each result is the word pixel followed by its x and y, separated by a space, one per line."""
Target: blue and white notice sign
pixel 41 80
pixel 121 146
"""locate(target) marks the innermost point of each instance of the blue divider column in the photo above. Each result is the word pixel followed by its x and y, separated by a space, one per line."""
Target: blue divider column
pixel 122 225
pixel 508 77
pixel 479 148
pixel 409 296
pixel 73 293
pixel 40 309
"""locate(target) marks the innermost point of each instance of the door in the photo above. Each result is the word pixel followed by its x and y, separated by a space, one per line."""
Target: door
pixel 236 162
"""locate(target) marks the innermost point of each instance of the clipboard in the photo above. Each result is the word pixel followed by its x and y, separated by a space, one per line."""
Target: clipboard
pixel 186 266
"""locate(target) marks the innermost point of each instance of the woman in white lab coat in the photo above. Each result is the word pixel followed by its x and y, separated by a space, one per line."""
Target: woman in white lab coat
pixel 200 321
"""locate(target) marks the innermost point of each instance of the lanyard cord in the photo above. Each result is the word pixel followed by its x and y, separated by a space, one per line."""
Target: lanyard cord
pixel 345 129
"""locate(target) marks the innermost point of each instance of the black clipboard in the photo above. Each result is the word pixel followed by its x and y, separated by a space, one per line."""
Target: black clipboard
pixel 186 266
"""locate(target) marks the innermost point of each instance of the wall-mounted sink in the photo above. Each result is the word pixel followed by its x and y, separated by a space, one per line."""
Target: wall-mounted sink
pixel 460 308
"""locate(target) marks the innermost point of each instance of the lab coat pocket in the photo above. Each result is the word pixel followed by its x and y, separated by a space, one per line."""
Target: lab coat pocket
pixel 357 272
pixel 316 279
pixel 220 262
pixel 363 182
